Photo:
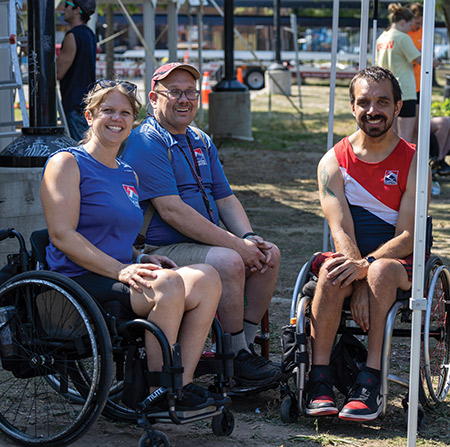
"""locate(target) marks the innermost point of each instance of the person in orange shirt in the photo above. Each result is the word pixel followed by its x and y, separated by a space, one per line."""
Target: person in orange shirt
pixel 440 125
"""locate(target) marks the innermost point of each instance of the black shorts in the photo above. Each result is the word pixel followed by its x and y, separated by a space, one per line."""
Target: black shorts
pixel 408 109
pixel 112 295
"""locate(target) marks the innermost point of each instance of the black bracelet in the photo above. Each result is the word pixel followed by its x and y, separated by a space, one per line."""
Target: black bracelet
pixel 250 233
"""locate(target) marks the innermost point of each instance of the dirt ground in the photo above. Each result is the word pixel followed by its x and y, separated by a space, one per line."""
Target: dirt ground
pixel 278 190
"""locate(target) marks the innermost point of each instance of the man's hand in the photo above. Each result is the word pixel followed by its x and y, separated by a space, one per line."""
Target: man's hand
pixel 252 253
pixel 265 248
pixel 162 261
pixel 343 270
pixel 137 275
pixel 359 304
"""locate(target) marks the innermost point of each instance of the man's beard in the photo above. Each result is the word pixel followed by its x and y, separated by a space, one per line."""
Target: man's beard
pixel 372 131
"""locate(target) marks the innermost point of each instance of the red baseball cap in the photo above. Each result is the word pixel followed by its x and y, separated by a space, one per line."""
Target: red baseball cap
pixel 165 70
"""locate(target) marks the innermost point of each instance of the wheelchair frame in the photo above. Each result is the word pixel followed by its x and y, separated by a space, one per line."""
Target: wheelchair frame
pixel 435 364
pixel 67 357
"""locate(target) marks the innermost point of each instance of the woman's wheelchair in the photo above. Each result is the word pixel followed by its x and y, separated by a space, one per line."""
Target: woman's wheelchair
pixel 435 334
pixel 65 360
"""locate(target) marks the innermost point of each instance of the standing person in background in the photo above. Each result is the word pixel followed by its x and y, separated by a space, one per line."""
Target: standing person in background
pixel 440 125
pixel 396 52
pixel 75 65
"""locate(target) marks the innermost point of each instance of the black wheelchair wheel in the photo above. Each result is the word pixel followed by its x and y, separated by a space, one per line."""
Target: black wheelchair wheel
pixel 288 410
pixel 223 424
pixel 158 439
pixel 435 356
pixel 56 360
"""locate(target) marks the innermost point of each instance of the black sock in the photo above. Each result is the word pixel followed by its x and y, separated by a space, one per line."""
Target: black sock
pixel 374 372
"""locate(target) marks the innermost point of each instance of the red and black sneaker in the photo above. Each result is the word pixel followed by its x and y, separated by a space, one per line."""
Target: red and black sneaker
pixel 364 402
pixel 320 395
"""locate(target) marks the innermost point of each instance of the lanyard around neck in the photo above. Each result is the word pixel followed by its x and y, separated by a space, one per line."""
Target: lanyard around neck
pixel 196 173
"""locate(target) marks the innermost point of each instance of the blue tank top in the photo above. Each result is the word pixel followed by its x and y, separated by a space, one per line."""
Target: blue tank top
pixel 110 215
pixel 81 74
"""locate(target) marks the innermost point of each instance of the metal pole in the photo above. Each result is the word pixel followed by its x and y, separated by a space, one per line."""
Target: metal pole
pixel 374 31
pixel 229 81
pixel 277 27
pixel 417 301
pixel 297 62
pixel 335 28
pixel 41 65
pixel 364 32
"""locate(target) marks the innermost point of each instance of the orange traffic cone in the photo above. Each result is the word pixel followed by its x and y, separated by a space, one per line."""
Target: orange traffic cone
pixel 239 76
pixel 206 88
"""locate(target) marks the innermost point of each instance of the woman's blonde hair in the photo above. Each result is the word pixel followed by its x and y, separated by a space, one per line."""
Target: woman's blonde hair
pixel 399 12
pixel 96 95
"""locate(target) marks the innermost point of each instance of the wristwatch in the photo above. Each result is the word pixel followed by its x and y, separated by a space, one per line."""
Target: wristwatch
pixel 370 259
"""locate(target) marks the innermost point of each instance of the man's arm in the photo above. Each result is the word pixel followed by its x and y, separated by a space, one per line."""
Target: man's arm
pixel 189 222
pixel 66 56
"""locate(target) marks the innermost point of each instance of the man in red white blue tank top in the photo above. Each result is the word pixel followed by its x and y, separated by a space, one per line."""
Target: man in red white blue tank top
pixel 367 192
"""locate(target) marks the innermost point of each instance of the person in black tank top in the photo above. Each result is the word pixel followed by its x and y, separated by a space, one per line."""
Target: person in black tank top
pixel 75 65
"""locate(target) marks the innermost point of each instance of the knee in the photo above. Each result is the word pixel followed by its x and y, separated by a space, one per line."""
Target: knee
pixel 276 256
pixel 169 288
pixel 208 280
pixel 326 291
pixel 230 266
pixel 380 271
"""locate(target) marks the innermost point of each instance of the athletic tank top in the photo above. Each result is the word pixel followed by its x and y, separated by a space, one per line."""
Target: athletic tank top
pixel 110 215
pixel 81 74
pixel 374 192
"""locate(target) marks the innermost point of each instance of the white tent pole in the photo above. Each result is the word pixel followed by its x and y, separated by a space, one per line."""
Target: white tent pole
pixel 364 32
pixel 374 30
pixel 334 39
pixel 417 301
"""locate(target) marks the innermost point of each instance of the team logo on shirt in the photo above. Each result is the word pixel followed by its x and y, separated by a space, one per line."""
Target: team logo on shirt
pixel 201 159
pixel 390 177
pixel 132 194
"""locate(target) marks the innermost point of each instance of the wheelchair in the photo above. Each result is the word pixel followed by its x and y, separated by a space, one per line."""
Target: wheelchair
pixel 64 359
pixel 435 335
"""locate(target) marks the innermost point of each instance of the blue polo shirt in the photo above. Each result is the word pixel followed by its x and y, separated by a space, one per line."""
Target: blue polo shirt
pixel 147 153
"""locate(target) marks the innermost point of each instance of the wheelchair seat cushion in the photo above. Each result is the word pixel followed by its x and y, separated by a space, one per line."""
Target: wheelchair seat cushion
pixel 106 290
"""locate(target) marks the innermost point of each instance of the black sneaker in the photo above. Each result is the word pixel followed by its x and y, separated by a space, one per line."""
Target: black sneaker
pixel 253 369
pixel 219 399
pixel 443 168
pixel 364 402
pixel 189 402
pixel 320 395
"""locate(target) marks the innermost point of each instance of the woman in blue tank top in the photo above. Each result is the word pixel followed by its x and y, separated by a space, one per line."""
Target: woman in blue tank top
pixel 91 205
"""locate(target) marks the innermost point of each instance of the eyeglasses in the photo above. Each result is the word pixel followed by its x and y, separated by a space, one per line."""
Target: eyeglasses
pixel 176 93
pixel 73 6
pixel 107 83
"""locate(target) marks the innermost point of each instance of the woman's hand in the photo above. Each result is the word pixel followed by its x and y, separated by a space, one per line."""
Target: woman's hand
pixel 137 275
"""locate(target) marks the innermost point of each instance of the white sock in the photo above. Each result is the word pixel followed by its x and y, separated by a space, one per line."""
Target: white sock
pixel 250 331
pixel 238 342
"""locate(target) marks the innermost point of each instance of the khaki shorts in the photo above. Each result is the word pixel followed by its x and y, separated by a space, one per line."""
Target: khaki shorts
pixel 184 253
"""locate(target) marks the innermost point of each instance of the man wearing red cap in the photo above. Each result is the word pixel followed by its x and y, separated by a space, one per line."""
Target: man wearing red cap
pixel 181 177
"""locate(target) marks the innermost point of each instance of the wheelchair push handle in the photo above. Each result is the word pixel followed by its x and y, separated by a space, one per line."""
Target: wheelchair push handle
pixel 23 254
pixel 7 232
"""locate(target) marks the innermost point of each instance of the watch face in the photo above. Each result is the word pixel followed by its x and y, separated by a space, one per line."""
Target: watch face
pixel 370 259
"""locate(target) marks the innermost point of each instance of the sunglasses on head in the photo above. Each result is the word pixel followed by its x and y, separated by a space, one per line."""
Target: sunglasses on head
pixel 106 83
pixel 66 4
